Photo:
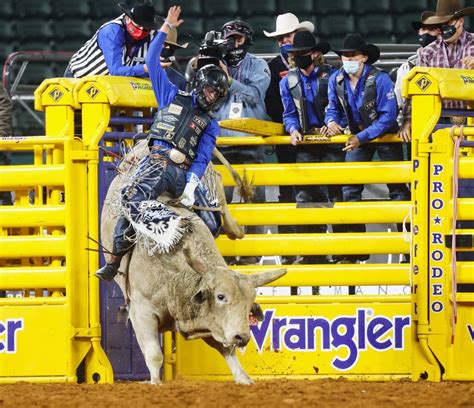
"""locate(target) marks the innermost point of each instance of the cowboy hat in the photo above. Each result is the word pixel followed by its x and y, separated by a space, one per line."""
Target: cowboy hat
pixel 445 11
pixel 306 41
pixel 418 24
pixel 287 23
pixel 355 42
pixel 143 13
pixel 172 39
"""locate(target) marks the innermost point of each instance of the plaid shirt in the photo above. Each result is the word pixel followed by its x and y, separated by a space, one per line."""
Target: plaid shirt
pixel 439 55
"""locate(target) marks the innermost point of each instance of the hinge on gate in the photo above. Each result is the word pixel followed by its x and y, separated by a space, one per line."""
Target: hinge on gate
pixel 430 148
pixel 462 240
pixel 84 155
pixel 87 332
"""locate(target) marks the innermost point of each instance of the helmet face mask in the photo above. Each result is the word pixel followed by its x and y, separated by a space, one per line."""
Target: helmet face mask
pixel 210 86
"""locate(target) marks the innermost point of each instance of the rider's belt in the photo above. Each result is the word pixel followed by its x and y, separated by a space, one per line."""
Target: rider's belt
pixel 174 156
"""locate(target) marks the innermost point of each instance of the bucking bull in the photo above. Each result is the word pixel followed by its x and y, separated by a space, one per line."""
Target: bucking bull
pixel 189 290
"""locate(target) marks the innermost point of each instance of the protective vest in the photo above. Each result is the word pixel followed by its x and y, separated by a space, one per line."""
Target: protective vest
pixel 181 125
pixel 89 60
pixel 368 111
pixel 320 99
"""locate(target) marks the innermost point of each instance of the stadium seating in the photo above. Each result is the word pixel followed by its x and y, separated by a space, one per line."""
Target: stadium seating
pixel 341 7
pixel 336 24
pixel 32 8
pixel 77 9
pixel 73 28
pixel 364 7
pixel 227 8
pixel 38 29
pixel 260 7
pixel 189 7
pixel 404 6
pixel 299 7
pixel 375 24
pixel 7 9
pixel 403 24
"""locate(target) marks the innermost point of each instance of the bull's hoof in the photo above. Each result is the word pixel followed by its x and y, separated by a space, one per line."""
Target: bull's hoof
pixel 107 272
pixel 245 380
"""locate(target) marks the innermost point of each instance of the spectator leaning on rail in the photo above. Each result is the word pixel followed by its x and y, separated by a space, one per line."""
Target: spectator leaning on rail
pixel 304 93
pixel 249 78
pixel 362 97
pixel 427 33
pixel 454 48
pixel 119 46
pixel 183 135
pixel 286 27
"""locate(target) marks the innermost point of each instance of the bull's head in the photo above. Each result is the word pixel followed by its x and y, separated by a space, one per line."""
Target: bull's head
pixel 223 301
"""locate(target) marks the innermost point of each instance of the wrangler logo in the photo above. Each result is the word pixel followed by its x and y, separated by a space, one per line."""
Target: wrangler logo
pixel 56 94
pixel 423 83
pixel 92 92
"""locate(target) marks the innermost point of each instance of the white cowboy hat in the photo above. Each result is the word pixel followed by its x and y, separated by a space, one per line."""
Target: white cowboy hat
pixel 287 23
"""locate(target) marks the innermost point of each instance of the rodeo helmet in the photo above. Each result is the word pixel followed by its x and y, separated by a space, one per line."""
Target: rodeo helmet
pixel 215 78
pixel 238 27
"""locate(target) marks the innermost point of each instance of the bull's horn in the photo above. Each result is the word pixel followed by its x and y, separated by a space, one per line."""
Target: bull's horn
pixel 261 279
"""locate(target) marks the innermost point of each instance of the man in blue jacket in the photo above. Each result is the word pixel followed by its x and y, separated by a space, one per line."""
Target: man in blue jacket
pixel 304 93
pixel 362 98
pixel 183 135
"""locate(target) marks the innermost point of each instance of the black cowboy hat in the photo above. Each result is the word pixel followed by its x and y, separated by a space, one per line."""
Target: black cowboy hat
pixel 355 42
pixel 306 41
pixel 143 13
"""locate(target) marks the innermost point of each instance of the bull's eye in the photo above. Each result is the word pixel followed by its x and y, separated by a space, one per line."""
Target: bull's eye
pixel 221 297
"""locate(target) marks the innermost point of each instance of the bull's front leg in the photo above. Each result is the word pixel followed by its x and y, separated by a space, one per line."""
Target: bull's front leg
pixel 145 324
pixel 240 375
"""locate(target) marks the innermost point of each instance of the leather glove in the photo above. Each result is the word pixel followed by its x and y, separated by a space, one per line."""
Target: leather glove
pixel 187 198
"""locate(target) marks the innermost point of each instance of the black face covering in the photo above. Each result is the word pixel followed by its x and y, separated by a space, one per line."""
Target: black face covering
pixel 303 61
pixel 426 39
pixel 166 53
pixel 236 55
pixel 448 31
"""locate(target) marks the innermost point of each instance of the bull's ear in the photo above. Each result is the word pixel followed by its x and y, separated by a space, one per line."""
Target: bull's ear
pixel 261 279
pixel 200 297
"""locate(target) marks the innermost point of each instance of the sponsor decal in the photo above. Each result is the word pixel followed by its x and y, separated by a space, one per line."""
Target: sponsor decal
pixel 170 118
pixel 56 94
pixel 467 79
pixel 92 91
pixel 8 335
pixel 138 86
pixel 198 121
pixel 164 126
pixel 423 83
pixel 348 335
pixel 175 109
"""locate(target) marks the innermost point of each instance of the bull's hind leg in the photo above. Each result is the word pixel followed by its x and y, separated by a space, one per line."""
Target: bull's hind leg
pixel 240 376
pixel 145 324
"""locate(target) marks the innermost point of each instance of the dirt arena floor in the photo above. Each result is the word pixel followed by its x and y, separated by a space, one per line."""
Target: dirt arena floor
pixel 274 393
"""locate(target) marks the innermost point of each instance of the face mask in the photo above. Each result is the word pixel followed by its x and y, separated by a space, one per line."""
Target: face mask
pixel 303 61
pixel 448 31
pixel 284 50
pixel 426 39
pixel 135 32
pixel 351 67
pixel 236 55
pixel 167 53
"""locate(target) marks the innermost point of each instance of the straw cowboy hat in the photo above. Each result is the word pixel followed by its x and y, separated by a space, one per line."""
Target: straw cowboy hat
pixel 355 42
pixel 287 23
pixel 143 13
pixel 172 39
pixel 305 41
pixel 445 11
